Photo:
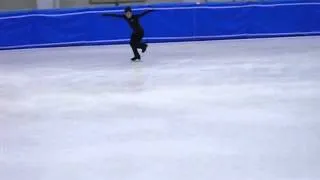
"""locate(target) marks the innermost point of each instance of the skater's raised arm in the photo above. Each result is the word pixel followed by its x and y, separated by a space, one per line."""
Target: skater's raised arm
pixel 145 13
pixel 113 15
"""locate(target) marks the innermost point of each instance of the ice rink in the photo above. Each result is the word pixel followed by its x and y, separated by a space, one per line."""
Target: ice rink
pixel 216 110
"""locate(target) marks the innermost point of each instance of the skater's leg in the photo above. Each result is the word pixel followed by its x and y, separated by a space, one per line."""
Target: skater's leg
pixel 141 45
pixel 134 43
pixel 134 49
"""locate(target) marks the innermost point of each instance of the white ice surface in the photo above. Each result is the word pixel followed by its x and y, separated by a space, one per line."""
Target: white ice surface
pixel 219 110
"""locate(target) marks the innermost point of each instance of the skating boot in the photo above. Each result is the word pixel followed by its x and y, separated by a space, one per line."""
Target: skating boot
pixel 144 48
pixel 136 58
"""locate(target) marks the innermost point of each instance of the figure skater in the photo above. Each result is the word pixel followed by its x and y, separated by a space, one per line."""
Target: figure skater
pixel 137 30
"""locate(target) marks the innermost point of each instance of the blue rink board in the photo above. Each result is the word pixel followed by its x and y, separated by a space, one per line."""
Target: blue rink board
pixel 168 23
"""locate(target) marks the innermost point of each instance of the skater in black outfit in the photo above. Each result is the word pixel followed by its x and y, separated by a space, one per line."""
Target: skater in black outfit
pixel 138 32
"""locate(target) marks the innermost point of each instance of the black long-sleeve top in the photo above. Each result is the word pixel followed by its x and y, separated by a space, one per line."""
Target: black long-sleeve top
pixel 133 21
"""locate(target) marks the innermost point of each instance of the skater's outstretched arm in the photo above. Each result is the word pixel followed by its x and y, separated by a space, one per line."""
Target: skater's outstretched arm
pixel 113 15
pixel 145 13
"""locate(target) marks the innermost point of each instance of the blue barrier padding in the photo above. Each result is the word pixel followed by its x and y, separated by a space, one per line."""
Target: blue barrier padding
pixel 168 23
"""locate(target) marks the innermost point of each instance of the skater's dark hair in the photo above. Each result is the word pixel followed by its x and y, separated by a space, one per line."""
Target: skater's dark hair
pixel 128 9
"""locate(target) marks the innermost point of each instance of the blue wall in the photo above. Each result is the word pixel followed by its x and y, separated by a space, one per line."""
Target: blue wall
pixel 174 22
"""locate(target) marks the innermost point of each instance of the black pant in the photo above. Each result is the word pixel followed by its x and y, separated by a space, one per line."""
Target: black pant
pixel 136 42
